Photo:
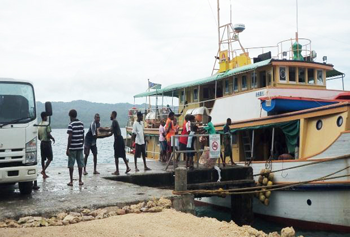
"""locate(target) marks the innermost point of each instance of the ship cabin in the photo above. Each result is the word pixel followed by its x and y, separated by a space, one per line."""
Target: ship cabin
pixel 239 90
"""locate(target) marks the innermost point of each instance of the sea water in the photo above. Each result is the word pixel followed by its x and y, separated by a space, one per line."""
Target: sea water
pixel 106 156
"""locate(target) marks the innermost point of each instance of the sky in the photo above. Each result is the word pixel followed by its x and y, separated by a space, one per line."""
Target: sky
pixel 105 50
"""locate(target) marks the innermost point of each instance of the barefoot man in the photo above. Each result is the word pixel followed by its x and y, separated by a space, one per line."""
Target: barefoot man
pixel 119 147
pixel 75 146
pixel 139 139
pixel 90 143
pixel 44 134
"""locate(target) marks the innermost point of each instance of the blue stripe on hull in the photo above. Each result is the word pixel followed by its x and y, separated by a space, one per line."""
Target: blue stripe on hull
pixel 285 105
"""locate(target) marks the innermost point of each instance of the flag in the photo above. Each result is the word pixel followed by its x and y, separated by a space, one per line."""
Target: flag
pixel 155 86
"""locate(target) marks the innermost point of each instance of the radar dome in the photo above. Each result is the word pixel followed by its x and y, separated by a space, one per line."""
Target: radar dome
pixel 239 28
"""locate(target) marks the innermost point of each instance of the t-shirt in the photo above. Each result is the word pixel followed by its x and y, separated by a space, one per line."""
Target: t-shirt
pixel 171 131
pixel 227 135
pixel 76 128
pixel 137 129
pixel 90 135
pixel 161 132
pixel 210 128
pixel 43 132
pixel 185 131
pixel 190 140
pixel 116 129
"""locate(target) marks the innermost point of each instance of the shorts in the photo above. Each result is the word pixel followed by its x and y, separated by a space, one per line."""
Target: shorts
pixel 163 145
pixel 140 150
pixel 87 149
pixel 182 147
pixel 228 151
pixel 76 155
pixel 190 154
pixel 119 147
pixel 169 147
pixel 46 150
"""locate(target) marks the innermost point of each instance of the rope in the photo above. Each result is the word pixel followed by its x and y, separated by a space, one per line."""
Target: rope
pixel 258 189
pixel 307 164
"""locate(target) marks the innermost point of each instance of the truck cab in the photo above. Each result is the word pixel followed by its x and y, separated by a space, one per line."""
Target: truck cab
pixel 18 134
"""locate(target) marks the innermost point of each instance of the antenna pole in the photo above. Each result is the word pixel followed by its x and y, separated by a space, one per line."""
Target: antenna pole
pixel 230 12
pixel 296 34
pixel 219 24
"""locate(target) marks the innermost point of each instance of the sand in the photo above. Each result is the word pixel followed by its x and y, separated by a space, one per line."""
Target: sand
pixel 168 223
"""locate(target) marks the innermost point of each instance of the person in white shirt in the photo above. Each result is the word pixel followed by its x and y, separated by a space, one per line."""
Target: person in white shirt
pixel 139 139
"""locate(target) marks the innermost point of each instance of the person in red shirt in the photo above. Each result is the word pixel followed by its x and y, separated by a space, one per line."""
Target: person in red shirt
pixel 170 131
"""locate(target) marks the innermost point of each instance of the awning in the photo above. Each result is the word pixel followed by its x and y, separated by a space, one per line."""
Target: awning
pixel 290 130
pixel 167 91
pixel 333 73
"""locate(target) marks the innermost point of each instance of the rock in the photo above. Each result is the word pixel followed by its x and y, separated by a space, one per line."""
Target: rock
pixel 144 209
pixel 112 213
pixel 26 219
pixel 88 218
pixel 86 212
pixel 151 204
pixel 3 225
pixel 7 221
pixel 155 209
pixel 76 214
pixel 61 215
pixel 58 223
pixel 288 232
pixel 71 219
pixel 121 212
pixel 13 224
pixel 126 209
pixel 65 222
pixel 274 234
pixel 166 203
pixel 136 208
pixel 37 218
pixel 99 213
pixel 43 222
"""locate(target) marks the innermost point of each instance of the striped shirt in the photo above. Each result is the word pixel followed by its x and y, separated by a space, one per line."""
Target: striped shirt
pixel 76 128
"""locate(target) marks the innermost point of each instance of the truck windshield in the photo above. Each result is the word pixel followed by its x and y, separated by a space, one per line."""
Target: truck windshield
pixel 17 101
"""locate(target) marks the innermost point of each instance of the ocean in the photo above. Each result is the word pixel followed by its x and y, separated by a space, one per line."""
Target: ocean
pixel 105 156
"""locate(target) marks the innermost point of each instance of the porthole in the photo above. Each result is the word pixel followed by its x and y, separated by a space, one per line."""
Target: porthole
pixel 319 124
pixel 340 121
pixel 309 202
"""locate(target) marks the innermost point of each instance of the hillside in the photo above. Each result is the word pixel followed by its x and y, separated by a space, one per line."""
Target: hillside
pixel 86 111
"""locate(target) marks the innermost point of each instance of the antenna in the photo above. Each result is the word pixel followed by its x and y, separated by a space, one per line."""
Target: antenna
pixel 219 24
pixel 296 34
pixel 230 12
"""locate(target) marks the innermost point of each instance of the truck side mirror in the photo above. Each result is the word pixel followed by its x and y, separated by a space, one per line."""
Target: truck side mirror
pixel 48 108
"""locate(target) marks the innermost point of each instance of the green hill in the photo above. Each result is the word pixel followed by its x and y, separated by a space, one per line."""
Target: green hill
pixel 86 111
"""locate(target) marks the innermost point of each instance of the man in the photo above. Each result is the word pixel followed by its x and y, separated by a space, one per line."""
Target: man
pixel 186 129
pixel 139 139
pixel 119 147
pixel 170 131
pixel 44 135
pixel 162 141
pixel 90 143
pixel 227 142
pixel 75 146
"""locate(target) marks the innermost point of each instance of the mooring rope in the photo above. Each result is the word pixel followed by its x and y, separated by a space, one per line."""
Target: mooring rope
pixel 258 189
pixel 307 164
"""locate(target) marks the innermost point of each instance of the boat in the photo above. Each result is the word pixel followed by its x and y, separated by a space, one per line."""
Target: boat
pixel 284 120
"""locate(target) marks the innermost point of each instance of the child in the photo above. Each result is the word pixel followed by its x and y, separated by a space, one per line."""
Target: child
pixel 190 146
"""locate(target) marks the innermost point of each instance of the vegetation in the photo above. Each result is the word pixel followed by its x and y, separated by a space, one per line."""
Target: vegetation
pixel 86 111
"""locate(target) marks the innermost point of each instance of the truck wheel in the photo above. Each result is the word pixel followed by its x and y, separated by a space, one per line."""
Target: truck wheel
pixel 25 187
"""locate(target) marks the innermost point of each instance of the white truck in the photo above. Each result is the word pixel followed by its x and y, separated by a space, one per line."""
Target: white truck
pixel 18 134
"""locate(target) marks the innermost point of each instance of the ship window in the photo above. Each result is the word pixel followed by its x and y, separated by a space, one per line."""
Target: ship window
pixel 262 79
pixel 227 88
pixel 319 124
pixel 244 82
pixel 301 75
pixel 292 74
pixel 340 121
pixel 319 77
pixel 254 81
pixel 182 97
pixel 282 74
pixel 235 84
pixel 195 94
pixel 310 76
pixel 206 93
pixel 269 78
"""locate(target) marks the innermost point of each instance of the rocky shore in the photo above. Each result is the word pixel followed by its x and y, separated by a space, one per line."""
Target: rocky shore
pixel 112 221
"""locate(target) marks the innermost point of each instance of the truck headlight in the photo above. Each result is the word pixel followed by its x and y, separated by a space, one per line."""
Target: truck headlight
pixel 31 152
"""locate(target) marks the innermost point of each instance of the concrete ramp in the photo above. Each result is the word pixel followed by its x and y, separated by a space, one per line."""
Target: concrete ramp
pixel 340 147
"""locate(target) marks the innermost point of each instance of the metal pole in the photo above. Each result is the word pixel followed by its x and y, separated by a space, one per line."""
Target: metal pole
pixel 273 141
pixel 216 85
pixel 172 99
pixel 174 153
pixel 342 79
pixel 252 151
pixel 219 25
